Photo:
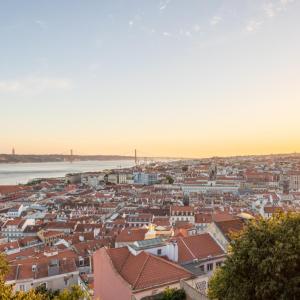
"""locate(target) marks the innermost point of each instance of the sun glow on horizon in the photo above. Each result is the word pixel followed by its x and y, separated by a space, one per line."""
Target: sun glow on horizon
pixel 211 78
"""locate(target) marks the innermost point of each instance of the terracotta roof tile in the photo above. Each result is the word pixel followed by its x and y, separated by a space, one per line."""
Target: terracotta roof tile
pixel 7 189
pixel 131 235
pixel 272 209
pixel 230 226
pixel 145 270
pixel 197 247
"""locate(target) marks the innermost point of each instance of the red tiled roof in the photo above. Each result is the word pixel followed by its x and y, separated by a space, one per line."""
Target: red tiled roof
pixel 33 253
pixel 182 208
pixel 51 233
pixel 222 216
pixel 7 189
pixel 61 225
pixel 183 225
pixel 162 221
pixel 131 235
pixel 272 209
pixel 145 270
pixel 230 226
pixel 197 247
pixel 24 270
pixel 83 248
pixel 9 245
pixel 203 218
pixel 15 222
pixel 28 239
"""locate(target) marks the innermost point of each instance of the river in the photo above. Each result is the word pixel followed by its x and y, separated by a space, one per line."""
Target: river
pixel 24 172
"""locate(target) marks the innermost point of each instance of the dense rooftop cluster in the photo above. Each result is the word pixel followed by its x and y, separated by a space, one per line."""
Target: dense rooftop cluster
pixel 133 232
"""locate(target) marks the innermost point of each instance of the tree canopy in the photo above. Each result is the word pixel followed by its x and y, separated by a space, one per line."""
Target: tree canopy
pixel 263 262
pixel 169 179
pixel 173 294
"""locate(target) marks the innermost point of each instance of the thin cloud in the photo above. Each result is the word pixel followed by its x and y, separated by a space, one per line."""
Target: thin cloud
pixel 269 9
pixel 148 30
pixel 215 20
pixel 286 2
pixel 34 85
pixel 41 24
pixel 164 4
pixel 93 67
pixel 253 25
pixel 137 18
pixel 188 34
pixel 196 28
pixel 273 8
pixel 166 33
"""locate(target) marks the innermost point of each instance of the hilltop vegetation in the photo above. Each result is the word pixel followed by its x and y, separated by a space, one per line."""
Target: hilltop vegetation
pixel 263 262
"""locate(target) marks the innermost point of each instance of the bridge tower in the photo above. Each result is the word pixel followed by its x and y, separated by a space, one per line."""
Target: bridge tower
pixel 71 156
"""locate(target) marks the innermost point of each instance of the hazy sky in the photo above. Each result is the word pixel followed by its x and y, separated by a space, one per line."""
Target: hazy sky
pixel 175 77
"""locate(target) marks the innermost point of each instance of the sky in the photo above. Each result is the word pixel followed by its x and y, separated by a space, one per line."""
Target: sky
pixel 185 78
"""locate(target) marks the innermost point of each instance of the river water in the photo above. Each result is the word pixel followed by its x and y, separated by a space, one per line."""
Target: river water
pixel 24 172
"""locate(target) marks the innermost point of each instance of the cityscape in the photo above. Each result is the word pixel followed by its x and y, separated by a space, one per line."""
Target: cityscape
pixel 149 150
pixel 155 225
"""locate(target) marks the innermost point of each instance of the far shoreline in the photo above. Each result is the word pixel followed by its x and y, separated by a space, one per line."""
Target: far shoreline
pixel 22 173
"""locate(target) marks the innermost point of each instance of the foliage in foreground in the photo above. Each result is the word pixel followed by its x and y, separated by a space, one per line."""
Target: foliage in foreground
pixel 168 294
pixel 263 263
pixel 173 294
pixel 74 293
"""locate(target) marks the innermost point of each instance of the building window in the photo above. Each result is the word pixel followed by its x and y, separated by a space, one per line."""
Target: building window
pixel 22 287
pixel 201 286
pixel 81 262
pixel 201 268
pixel 219 264
pixel 209 267
pixel 158 251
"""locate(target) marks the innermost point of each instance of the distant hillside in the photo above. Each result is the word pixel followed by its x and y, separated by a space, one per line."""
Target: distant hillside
pixel 35 158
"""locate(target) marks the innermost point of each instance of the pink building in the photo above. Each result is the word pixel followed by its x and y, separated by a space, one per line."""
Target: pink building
pixel 120 275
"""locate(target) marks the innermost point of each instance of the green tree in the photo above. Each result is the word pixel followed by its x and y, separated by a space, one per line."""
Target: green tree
pixel 47 294
pixel 173 294
pixel 185 168
pixel 3 265
pixel 75 293
pixel 6 290
pixel 170 179
pixel 263 262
